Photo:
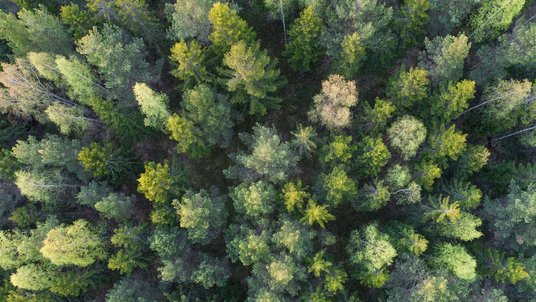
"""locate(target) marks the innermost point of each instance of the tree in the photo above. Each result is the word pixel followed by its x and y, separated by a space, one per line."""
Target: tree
pixel 129 242
pixel 444 58
pixel 406 135
pixel 34 277
pixel 159 182
pixel 441 209
pixel 79 79
pixel 79 20
pixel 227 28
pixel 280 275
pixel 376 118
pixel 304 140
pixel 467 194
pixel 370 253
pixel 77 244
pixel 119 60
pixel 332 106
pixel 456 259
pixel 187 135
pixel 202 215
pixel 493 18
pixel 247 245
pixel 211 272
pixel 294 195
pixel 407 88
pixel 189 20
pixel 103 161
pixel 130 289
pixel 464 228
pixel 34 30
pixel 153 105
pixel 116 206
pixel 426 172
pixel 372 156
pixel 267 157
pixel 252 76
pixel 448 142
pixel 317 214
pixel 338 151
pixel 48 186
pixel 191 60
pixel 295 238
pixel 512 215
pixel 352 55
pixel 448 15
pixel 414 21
pixel 304 48
pixel 338 186
pixel 254 200
pixel 373 196
pixel 453 100
pixel 70 119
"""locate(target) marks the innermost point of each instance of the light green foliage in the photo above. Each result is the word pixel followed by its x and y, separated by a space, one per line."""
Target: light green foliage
pixel 281 274
pixel 334 280
pixel 129 242
pixel 131 290
pixel 201 215
pixel 93 192
pixel 293 237
pixel 373 196
pixel 413 242
pixel 445 16
pixel 227 28
pixel 47 186
pixel 448 142
pixel 426 173
pixel 372 155
pixel 294 195
pixel 338 186
pixel 189 20
pixel 79 20
pixel 304 140
pixel 211 272
pixel 210 113
pixel 370 253
pixel 414 21
pixel 474 158
pixel 512 214
pixel 504 103
pixel 444 58
pixel 190 59
pixel 442 210
pixel 45 65
pixel 252 76
pixel 493 18
pixel 247 245
pixel 34 30
pixel 407 88
pixel 406 135
pixel 316 213
pixel 119 60
pixel 158 182
pixel 78 78
pixel 352 55
pixel 512 271
pixel 456 259
pixel 153 105
pixel 464 228
pixel 318 264
pixel 255 199
pixel 518 49
pixel 187 135
pixel 34 277
pixel 332 105
pixel 467 194
pixel 102 160
pixel 453 100
pixel 397 177
pixel 69 119
pixel 115 206
pixel 304 48
pixel 376 118
pixel 173 248
pixel 339 151
pixel 268 157
pixel 76 244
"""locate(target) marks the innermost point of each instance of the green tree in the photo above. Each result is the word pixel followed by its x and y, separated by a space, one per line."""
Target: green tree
pixel 448 142
pixel 187 135
pixel 338 186
pixel 493 18
pixel 268 157
pixel 34 30
pixel 227 28
pixel 370 254
pixel 373 196
pixel 132 290
pixel 159 182
pixel 103 161
pixel 453 100
pixel 456 259
pixel 339 150
pixel 252 76
pixel 304 140
pixel 48 186
pixel 247 245
pixel 352 55
pixel 426 172
pixel 189 20
pixel 120 61
pixel 304 48
pixel 211 272
pixel 79 20
pixel 294 195
pixel 191 62
pixel 372 155
pixel 332 105
pixel 254 200
pixel 406 135
pixel 116 206
pixel 407 88
pixel 153 105
pixel 444 58
pixel 77 244
pixel 34 277
pixel 202 215
pixel 294 238
pixel 464 228
pixel 70 119
pixel 316 213
pixel 414 21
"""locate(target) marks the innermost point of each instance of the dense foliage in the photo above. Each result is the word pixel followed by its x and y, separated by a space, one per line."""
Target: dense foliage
pixel 267 150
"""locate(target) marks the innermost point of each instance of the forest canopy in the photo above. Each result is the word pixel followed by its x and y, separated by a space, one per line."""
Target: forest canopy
pixel 267 150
